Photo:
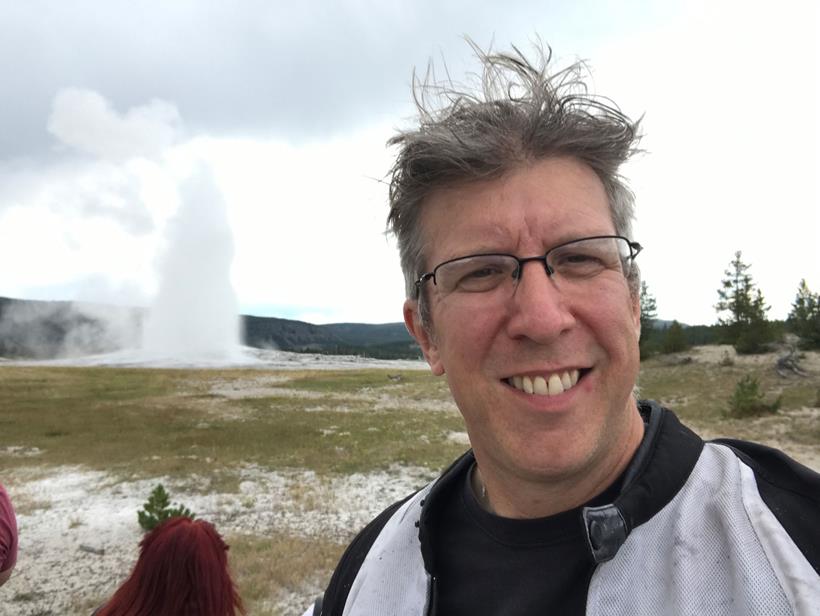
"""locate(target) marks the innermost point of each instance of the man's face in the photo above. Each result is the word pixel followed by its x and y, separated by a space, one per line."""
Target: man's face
pixel 484 344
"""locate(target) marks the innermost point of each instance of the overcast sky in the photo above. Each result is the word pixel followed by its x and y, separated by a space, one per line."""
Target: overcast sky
pixel 107 106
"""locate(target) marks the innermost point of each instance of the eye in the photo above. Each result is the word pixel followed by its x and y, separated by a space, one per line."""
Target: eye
pixel 580 258
pixel 477 273
pixel 575 262
pixel 480 278
pixel 484 272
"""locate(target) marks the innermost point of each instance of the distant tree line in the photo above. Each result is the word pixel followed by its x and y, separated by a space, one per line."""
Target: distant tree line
pixel 742 318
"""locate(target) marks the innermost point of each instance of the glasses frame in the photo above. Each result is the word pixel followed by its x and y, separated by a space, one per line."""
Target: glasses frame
pixel 634 250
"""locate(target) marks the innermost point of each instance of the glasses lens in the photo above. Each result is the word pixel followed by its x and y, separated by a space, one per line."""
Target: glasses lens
pixel 476 274
pixel 589 257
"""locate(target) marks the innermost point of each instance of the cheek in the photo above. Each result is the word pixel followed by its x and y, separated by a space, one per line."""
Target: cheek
pixel 624 321
pixel 465 340
pixel 636 314
pixel 614 324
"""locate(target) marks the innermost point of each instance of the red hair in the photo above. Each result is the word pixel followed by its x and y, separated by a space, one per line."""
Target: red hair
pixel 182 570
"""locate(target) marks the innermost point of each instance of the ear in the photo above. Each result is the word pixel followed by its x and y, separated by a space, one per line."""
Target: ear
pixel 425 338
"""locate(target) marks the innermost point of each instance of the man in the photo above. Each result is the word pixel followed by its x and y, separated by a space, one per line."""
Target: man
pixel 514 228
pixel 8 537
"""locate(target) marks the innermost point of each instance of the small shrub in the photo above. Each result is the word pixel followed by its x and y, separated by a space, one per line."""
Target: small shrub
pixel 747 399
pixel 158 509
pixel 726 360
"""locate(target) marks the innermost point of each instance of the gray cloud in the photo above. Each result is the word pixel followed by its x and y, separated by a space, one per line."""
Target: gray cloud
pixel 294 70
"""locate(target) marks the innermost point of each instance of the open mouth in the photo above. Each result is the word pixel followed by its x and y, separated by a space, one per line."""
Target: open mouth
pixel 549 384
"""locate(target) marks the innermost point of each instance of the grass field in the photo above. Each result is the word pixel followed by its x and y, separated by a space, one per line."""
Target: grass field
pixel 202 430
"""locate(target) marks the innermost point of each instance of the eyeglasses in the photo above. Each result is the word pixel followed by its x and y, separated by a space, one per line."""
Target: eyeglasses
pixel 570 262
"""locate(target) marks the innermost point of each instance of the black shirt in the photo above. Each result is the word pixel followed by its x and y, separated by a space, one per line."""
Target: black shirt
pixel 487 564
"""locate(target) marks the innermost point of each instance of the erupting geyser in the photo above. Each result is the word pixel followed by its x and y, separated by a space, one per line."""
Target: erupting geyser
pixel 195 315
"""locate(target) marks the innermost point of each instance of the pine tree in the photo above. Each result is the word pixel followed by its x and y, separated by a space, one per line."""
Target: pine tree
pixel 674 341
pixel 747 399
pixel 804 318
pixel 649 308
pixel 745 326
pixel 158 509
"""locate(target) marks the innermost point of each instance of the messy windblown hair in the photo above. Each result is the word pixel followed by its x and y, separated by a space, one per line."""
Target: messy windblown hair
pixel 520 113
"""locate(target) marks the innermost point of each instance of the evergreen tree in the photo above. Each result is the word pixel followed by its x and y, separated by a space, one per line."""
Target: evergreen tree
pixel 158 509
pixel 804 318
pixel 674 341
pixel 649 308
pixel 745 326
pixel 747 399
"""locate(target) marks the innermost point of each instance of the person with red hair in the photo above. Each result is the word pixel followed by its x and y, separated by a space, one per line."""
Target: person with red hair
pixel 8 536
pixel 182 570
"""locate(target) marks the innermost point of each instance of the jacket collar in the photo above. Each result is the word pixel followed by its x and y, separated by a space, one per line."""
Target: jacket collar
pixel 661 465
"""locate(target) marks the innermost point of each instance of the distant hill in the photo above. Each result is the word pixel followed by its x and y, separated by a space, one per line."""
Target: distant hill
pixel 385 341
pixel 45 329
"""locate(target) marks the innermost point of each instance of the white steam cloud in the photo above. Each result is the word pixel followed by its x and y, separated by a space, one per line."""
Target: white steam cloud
pixel 196 313
pixel 45 330
pixel 84 120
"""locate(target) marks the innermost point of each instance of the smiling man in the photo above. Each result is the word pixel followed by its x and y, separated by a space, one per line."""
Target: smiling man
pixel 542 367
pixel 514 228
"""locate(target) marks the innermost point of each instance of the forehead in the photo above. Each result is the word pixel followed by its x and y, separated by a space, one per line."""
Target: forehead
pixel 530 208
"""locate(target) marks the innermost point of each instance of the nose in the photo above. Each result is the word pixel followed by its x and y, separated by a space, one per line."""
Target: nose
pixel 538 310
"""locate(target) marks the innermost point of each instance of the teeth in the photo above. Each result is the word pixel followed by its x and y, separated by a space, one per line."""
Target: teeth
pixel 547 385
pixel 566 381
pixel 555 385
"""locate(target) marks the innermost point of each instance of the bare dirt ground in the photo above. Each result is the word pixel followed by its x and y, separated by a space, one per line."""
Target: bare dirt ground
pixel 715 353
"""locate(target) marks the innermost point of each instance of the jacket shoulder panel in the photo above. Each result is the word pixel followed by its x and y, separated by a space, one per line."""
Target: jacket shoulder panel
pixel 700 554
pixel 392 578
pixel 797 577
pixel 790 490
pixel 335 596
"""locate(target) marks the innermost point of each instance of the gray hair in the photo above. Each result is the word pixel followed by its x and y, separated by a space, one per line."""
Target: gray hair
pixel 520 114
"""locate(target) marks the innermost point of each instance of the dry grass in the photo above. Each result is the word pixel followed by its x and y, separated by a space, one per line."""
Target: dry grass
pixel 267 583
pixel 146 423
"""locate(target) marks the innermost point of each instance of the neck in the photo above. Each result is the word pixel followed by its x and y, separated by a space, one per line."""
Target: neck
pixel 511 496
pixel 480 489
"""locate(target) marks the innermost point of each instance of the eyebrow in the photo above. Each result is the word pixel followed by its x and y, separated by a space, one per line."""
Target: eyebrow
pixel 565 239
